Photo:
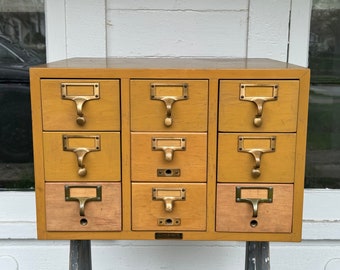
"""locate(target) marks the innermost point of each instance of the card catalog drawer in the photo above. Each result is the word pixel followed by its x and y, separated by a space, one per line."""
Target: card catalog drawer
pixel 258 106
pixel 254 208
pixel 171 157
pixel 169 105
pixel 77 206
pixel 82 156
pixel 249 157
pixel 164 207
pixel 80 104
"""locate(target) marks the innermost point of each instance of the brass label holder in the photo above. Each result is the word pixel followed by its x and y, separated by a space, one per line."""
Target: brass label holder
pixel 80 100
pixel 81 152
pixel 168 196
pixel 168 146
pixel 83 199
pixel 256 152
pixel 254 202
pixel 258 100
pixel 168 100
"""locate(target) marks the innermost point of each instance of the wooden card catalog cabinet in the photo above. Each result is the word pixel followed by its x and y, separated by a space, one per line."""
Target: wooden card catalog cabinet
pixel 187 149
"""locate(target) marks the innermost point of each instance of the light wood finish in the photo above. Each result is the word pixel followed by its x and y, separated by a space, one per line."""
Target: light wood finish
pixel 208 113
pixel 233 216
pixel 278 115
pixel 188 115
pixel 100 114
pixel 104 215
pixel 192 162
pixel 276 166
pixel 191 211
pixel 102 165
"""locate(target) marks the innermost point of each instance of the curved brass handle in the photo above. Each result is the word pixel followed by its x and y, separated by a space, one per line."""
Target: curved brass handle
pixel 156 93
pixel 256 152
pixel 83 199
pixel 82 202
pixel 258 116
pixel 81 151
pixel 168 203
pixel 168 196
pixel 168 101
pixel 168 154
pixel 80 100
pixel 254 201
pixel 259 100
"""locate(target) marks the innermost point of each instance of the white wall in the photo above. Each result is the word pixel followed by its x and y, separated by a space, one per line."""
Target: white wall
pixel 178 28
pixel 174 28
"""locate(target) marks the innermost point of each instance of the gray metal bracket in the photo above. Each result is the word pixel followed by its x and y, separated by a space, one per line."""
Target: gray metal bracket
pixel 80 255
pixel 257 256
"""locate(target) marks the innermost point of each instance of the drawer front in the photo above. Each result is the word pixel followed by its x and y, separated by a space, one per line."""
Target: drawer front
pixel 235 211
pixel 169 105
pixel 251 157
pixel 168 207
pixel 170 157
pixel 82 156
pixel 83 207
pixel 258 106
pixel 80 104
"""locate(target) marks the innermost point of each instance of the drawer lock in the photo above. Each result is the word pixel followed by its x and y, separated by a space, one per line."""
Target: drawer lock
pixel 256 146
pixel 168 172
pixel 248 195
pixel 168 146
pixel 81 146
pixel 169 221
pixel 169 94
pixel 83 194
pixel 260 97
pixel 168 196
pixel 80 100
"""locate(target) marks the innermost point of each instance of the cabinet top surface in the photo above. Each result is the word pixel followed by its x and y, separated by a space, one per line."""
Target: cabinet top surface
pixel 170 63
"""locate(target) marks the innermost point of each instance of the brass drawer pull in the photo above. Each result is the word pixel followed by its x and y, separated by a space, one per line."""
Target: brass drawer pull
pixel 169 196
pixel 81 146
pixel 254 201
pixel 81 194
pixel 168 93
pixel 80 99
pixel 259 100
pixel 169 146
pixel 257 152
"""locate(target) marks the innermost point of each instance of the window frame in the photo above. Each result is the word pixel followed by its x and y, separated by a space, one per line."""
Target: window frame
pixel 17 209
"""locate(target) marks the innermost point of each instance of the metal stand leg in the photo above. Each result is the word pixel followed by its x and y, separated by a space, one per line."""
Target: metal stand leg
pixel 80 255
pixel 257 256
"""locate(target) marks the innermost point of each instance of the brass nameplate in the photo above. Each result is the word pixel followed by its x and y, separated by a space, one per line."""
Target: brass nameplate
pixel 168 236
